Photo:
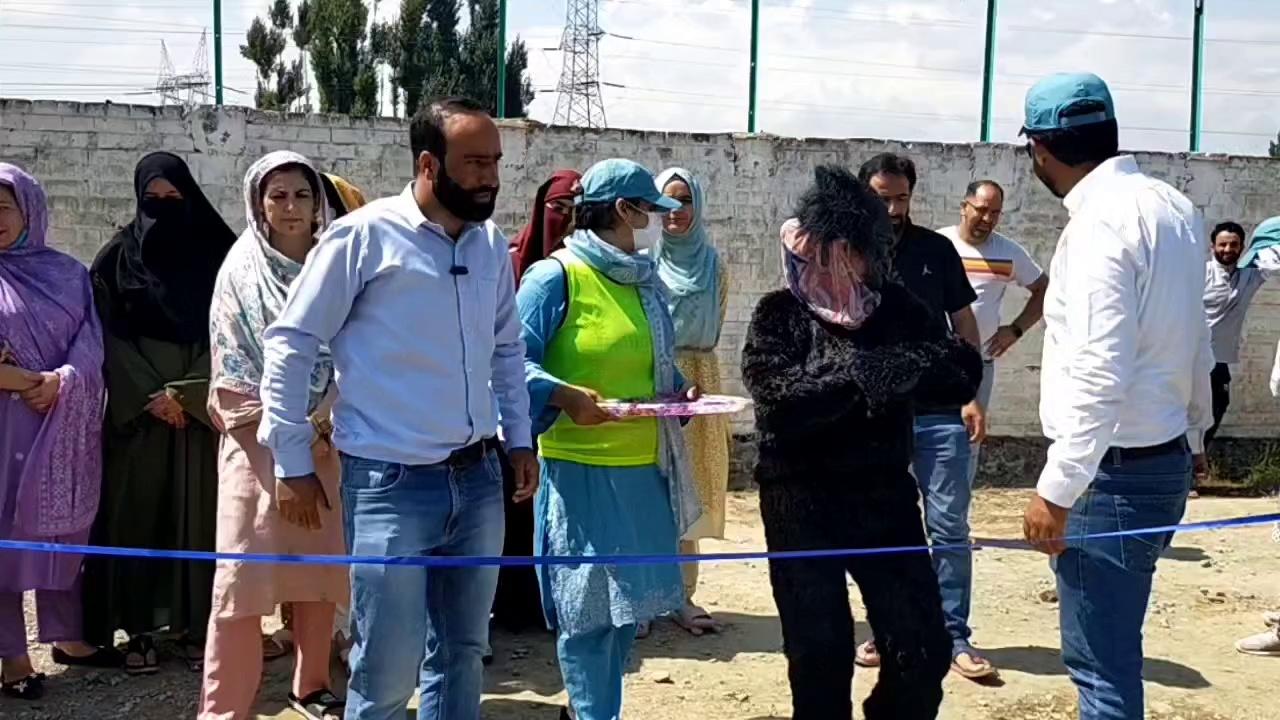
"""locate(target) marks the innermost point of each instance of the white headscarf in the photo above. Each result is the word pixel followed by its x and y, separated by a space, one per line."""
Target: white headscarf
pixel 253 284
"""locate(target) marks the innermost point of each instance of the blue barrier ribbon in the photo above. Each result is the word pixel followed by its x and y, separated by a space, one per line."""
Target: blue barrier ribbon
pixel 490 560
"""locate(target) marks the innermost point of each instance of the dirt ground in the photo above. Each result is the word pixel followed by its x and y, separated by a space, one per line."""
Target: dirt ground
pixel 1210 590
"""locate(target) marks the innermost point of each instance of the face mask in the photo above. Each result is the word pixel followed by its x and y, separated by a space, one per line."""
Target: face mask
pixel 163 208
pixel 648 237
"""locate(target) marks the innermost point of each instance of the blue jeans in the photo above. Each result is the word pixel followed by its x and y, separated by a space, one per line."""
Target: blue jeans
pixel 415 626
pixel 984 399
pixel 1104 583
pixel 592 665
pixel 941 468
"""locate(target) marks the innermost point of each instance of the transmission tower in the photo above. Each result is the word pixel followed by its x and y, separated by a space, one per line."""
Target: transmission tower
pixel 187 89
pixel 578 101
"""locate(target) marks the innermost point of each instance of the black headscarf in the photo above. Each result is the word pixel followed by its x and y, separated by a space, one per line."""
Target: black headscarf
pixel 158 271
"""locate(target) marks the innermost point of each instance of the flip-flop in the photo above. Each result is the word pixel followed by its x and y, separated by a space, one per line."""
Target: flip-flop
pixel 866 655
pixel 273 649
pixel 982 668
pixel 140 656
pixel 696 621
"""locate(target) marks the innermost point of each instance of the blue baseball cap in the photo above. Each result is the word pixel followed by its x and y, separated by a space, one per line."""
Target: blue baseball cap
pixel 1051 101
pixel 614 179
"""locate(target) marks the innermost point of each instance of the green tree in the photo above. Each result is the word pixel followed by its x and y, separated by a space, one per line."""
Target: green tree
pixel 444 74
pixel 1275 147
pixel 518 86
pixel 343 63
pixel 279 84
pixel 480 51
pixel 409 38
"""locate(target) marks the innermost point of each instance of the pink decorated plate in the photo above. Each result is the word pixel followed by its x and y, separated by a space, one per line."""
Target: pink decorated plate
pixel 705 405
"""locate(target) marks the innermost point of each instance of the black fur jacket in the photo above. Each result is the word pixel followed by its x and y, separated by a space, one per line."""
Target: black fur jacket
pixel 830 400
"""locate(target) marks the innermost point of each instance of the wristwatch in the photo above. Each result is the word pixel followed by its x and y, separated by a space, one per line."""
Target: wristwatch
pixel 1017 331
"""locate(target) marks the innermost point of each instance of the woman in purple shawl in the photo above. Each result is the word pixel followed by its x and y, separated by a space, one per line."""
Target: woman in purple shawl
pixel 50 449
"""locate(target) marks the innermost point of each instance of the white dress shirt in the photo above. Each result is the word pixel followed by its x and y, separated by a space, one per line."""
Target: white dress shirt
pixel 1126 344
pixel 1228 291
pixel 426 360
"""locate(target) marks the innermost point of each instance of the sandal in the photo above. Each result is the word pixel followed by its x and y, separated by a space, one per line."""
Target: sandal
pixel 978 667
pixel 867 656
pixel 105 657
pixel 696 621
pixel 319 705
pixel 140 656
pixel 643 629
pixel 30 687
pixel 273 649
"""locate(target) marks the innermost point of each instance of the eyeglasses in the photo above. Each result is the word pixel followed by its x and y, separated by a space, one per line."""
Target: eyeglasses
pixel 985 212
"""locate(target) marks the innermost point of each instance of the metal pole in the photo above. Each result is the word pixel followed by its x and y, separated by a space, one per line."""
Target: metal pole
pixel 217 51
pixel 755 65
pixel 1197 77
pixel 502 58
pixel 989 72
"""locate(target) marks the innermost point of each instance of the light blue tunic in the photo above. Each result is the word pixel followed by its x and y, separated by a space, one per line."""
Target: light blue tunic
pixel 590 509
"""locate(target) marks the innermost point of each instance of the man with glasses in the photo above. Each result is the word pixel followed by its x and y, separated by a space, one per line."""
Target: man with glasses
pixel 993 262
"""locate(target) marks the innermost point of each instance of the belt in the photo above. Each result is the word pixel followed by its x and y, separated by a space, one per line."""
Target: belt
pixel 1116 455
pixel 472 454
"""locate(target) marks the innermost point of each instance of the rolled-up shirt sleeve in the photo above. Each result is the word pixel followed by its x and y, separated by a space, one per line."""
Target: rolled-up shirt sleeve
pixel 508 371
pixel 1200 408
pixel 317 307
pixel 1101 345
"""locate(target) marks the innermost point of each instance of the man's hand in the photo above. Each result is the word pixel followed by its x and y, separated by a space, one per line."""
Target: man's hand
pixel 44 394
pixel 580 404
pixel 299 500
pixel 1200 467
pixel 524 464
pixel 1000 343
pixel 1044 525
pixel 975 420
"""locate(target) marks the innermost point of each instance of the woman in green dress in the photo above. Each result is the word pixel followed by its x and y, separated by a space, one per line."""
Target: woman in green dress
pixel 153 285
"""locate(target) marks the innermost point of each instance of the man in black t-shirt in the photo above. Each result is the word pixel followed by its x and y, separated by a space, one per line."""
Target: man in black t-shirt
pixel 929 266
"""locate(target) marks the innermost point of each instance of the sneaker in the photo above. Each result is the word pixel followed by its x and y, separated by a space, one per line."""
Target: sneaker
pixel 1271 618
pixel 1265 644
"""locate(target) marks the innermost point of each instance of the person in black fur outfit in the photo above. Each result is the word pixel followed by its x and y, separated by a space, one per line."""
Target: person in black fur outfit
pixel 835 363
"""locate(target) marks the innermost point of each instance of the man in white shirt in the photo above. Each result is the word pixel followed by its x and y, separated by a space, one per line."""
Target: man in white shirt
pixel 1124 393
pixel 993 262
pixel 1229 289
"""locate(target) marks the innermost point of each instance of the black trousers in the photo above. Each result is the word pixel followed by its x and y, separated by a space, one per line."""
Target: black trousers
pixel 1220 383
pixel 900 591
pixel 517 605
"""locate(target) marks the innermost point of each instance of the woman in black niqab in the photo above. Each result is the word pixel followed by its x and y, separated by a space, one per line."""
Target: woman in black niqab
pixel 153 286
pixel 157 273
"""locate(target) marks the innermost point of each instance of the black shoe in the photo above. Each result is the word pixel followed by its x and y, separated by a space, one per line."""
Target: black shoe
pixel 30 687
pixel 101 658
pixel 487 660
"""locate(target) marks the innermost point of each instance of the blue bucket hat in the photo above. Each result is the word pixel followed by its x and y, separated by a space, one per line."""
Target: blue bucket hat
pixel 1050 102
pixel 614 179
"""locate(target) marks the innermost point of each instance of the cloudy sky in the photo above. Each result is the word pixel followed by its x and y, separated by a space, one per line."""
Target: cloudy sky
pixel 831 68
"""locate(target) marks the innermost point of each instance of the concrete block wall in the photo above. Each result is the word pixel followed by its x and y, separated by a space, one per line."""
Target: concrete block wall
pixel 85 154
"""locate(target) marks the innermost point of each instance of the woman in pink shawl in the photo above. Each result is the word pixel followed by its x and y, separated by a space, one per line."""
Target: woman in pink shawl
pixel 50 450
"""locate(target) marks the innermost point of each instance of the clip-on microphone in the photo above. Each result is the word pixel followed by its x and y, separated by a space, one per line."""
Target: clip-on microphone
pixel 457 270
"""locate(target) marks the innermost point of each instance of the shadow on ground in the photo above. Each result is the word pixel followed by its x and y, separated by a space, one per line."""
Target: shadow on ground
pixel 1185 553
pixel 1035 660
